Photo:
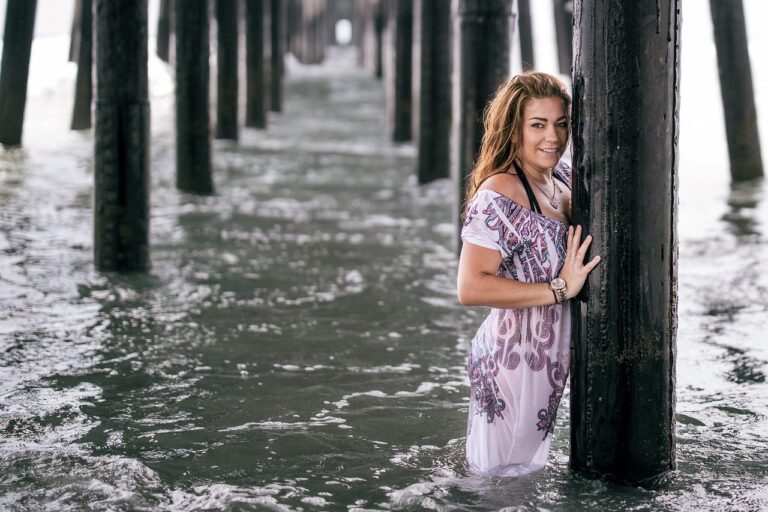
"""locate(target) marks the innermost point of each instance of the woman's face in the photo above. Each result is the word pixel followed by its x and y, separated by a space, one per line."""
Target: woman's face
pixel 544 134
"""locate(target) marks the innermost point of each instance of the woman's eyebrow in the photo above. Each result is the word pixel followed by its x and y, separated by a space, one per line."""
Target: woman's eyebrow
pixel 545 119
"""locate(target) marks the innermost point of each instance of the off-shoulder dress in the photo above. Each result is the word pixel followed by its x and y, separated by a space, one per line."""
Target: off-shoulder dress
pixel 519 358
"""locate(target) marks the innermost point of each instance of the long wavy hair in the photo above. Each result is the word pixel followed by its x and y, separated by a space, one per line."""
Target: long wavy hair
pixel 503 120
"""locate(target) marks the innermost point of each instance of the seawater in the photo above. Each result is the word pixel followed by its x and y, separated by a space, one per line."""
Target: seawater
pixel 297 343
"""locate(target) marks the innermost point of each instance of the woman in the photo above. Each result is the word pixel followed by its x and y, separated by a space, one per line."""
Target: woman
pixel 521 258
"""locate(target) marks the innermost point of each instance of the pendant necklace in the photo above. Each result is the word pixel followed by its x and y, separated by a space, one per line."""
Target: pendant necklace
pixel 554 201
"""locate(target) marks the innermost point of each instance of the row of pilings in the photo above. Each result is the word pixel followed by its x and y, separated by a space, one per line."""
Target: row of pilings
pixel 440 67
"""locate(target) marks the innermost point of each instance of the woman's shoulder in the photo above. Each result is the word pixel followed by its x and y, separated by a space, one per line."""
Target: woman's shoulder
pixel 506 184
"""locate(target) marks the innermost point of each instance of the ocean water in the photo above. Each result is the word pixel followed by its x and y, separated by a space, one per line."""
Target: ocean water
pixel 297 343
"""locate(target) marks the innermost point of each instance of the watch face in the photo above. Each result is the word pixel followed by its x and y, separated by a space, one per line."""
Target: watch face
pixel 558 283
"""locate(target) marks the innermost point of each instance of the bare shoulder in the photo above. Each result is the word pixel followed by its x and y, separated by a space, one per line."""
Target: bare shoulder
pixel 506 184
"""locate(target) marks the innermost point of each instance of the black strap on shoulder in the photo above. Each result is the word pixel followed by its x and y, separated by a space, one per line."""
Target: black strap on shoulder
pixel 528 190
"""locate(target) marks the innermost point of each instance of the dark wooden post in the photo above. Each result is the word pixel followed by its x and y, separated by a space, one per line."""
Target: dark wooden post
pixel 434 86
pixel 81 113
pixel 193 140
pixel 121 160
pixel 255 108
pixel 226 63
pixel 379 25
pixel 360 20
pixel 626 106
pixel 482 29
pixel 400 32
pixel 74 33
pixel 14 69
pixel 526 34
pixel 164 30
pixel 277 51
pixel 564 34
pixel 736 89
pixel 294 26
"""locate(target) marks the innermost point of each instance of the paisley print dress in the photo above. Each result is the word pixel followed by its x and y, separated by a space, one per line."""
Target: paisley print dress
pixel 519 358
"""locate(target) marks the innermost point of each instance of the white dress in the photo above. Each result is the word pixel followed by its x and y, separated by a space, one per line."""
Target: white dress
pixel 519 358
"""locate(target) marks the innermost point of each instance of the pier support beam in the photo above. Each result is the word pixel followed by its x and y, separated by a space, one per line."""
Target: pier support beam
pixel 164 30
pixel 482 34
pixel 121 137
pixel 432 51
pixel 736 89
pixel 399 75
pixel 74 32
pixel 277 52
pixel 193 138
pixel 255 104
pixel 564 34
pixel 626 106
pixel 226 66
pixel 14 69
pixel 526 34
pixel 81 113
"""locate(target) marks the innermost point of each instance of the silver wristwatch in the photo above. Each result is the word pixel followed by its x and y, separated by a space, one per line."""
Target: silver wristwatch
pixel 559 287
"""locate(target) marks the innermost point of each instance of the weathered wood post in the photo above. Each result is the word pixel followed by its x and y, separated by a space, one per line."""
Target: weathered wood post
pixel 736 89
pixel 81 113
pixel 564 34
pixel 121 135
pixel 226 65
pixel 295 19
pixel 399 80
pixel 164 30
pixel 255 104
pixel 361 20
pixel 193 138
pixel 277 50
pixel 626 106
pixel 432 20
pixel 525 30
pixel 74 33
pixel 14 69
pixel 482 34
pixel 379 25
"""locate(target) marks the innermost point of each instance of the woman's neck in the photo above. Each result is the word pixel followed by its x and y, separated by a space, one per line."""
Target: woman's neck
pixel 540 176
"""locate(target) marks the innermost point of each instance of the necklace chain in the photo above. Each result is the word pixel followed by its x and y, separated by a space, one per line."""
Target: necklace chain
pixel 552 200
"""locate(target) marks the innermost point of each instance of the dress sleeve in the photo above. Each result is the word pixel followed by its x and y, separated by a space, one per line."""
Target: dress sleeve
pixel 479 225
pixel 563 171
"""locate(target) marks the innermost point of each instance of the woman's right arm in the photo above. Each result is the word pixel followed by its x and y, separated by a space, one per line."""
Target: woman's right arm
pixel 478 284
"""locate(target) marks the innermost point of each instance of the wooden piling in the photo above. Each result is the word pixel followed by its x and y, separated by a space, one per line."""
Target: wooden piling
pixel 121 154
pixel 81 112
pixel 164 30
pixel 74 32
pixel 226 67
pixel 433 50
pixel 525 29
pixel 736 89
pixel 277 51
pixel 564 34
pixel 626 107
pixel 14 69
pixel 482 32
pixel 193 141
pixel 255 104
pixel 379 25
pixel 399 77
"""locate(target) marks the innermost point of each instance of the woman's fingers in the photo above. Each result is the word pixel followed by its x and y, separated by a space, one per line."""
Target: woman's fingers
pixel 569 242
pixel 583 249
pixel 592 264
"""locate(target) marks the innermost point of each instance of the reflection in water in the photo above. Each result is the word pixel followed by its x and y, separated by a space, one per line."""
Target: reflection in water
pixel 743 201
pixel 297 342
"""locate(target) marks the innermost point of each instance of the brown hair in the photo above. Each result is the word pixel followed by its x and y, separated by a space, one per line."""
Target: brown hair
pixel 503 118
